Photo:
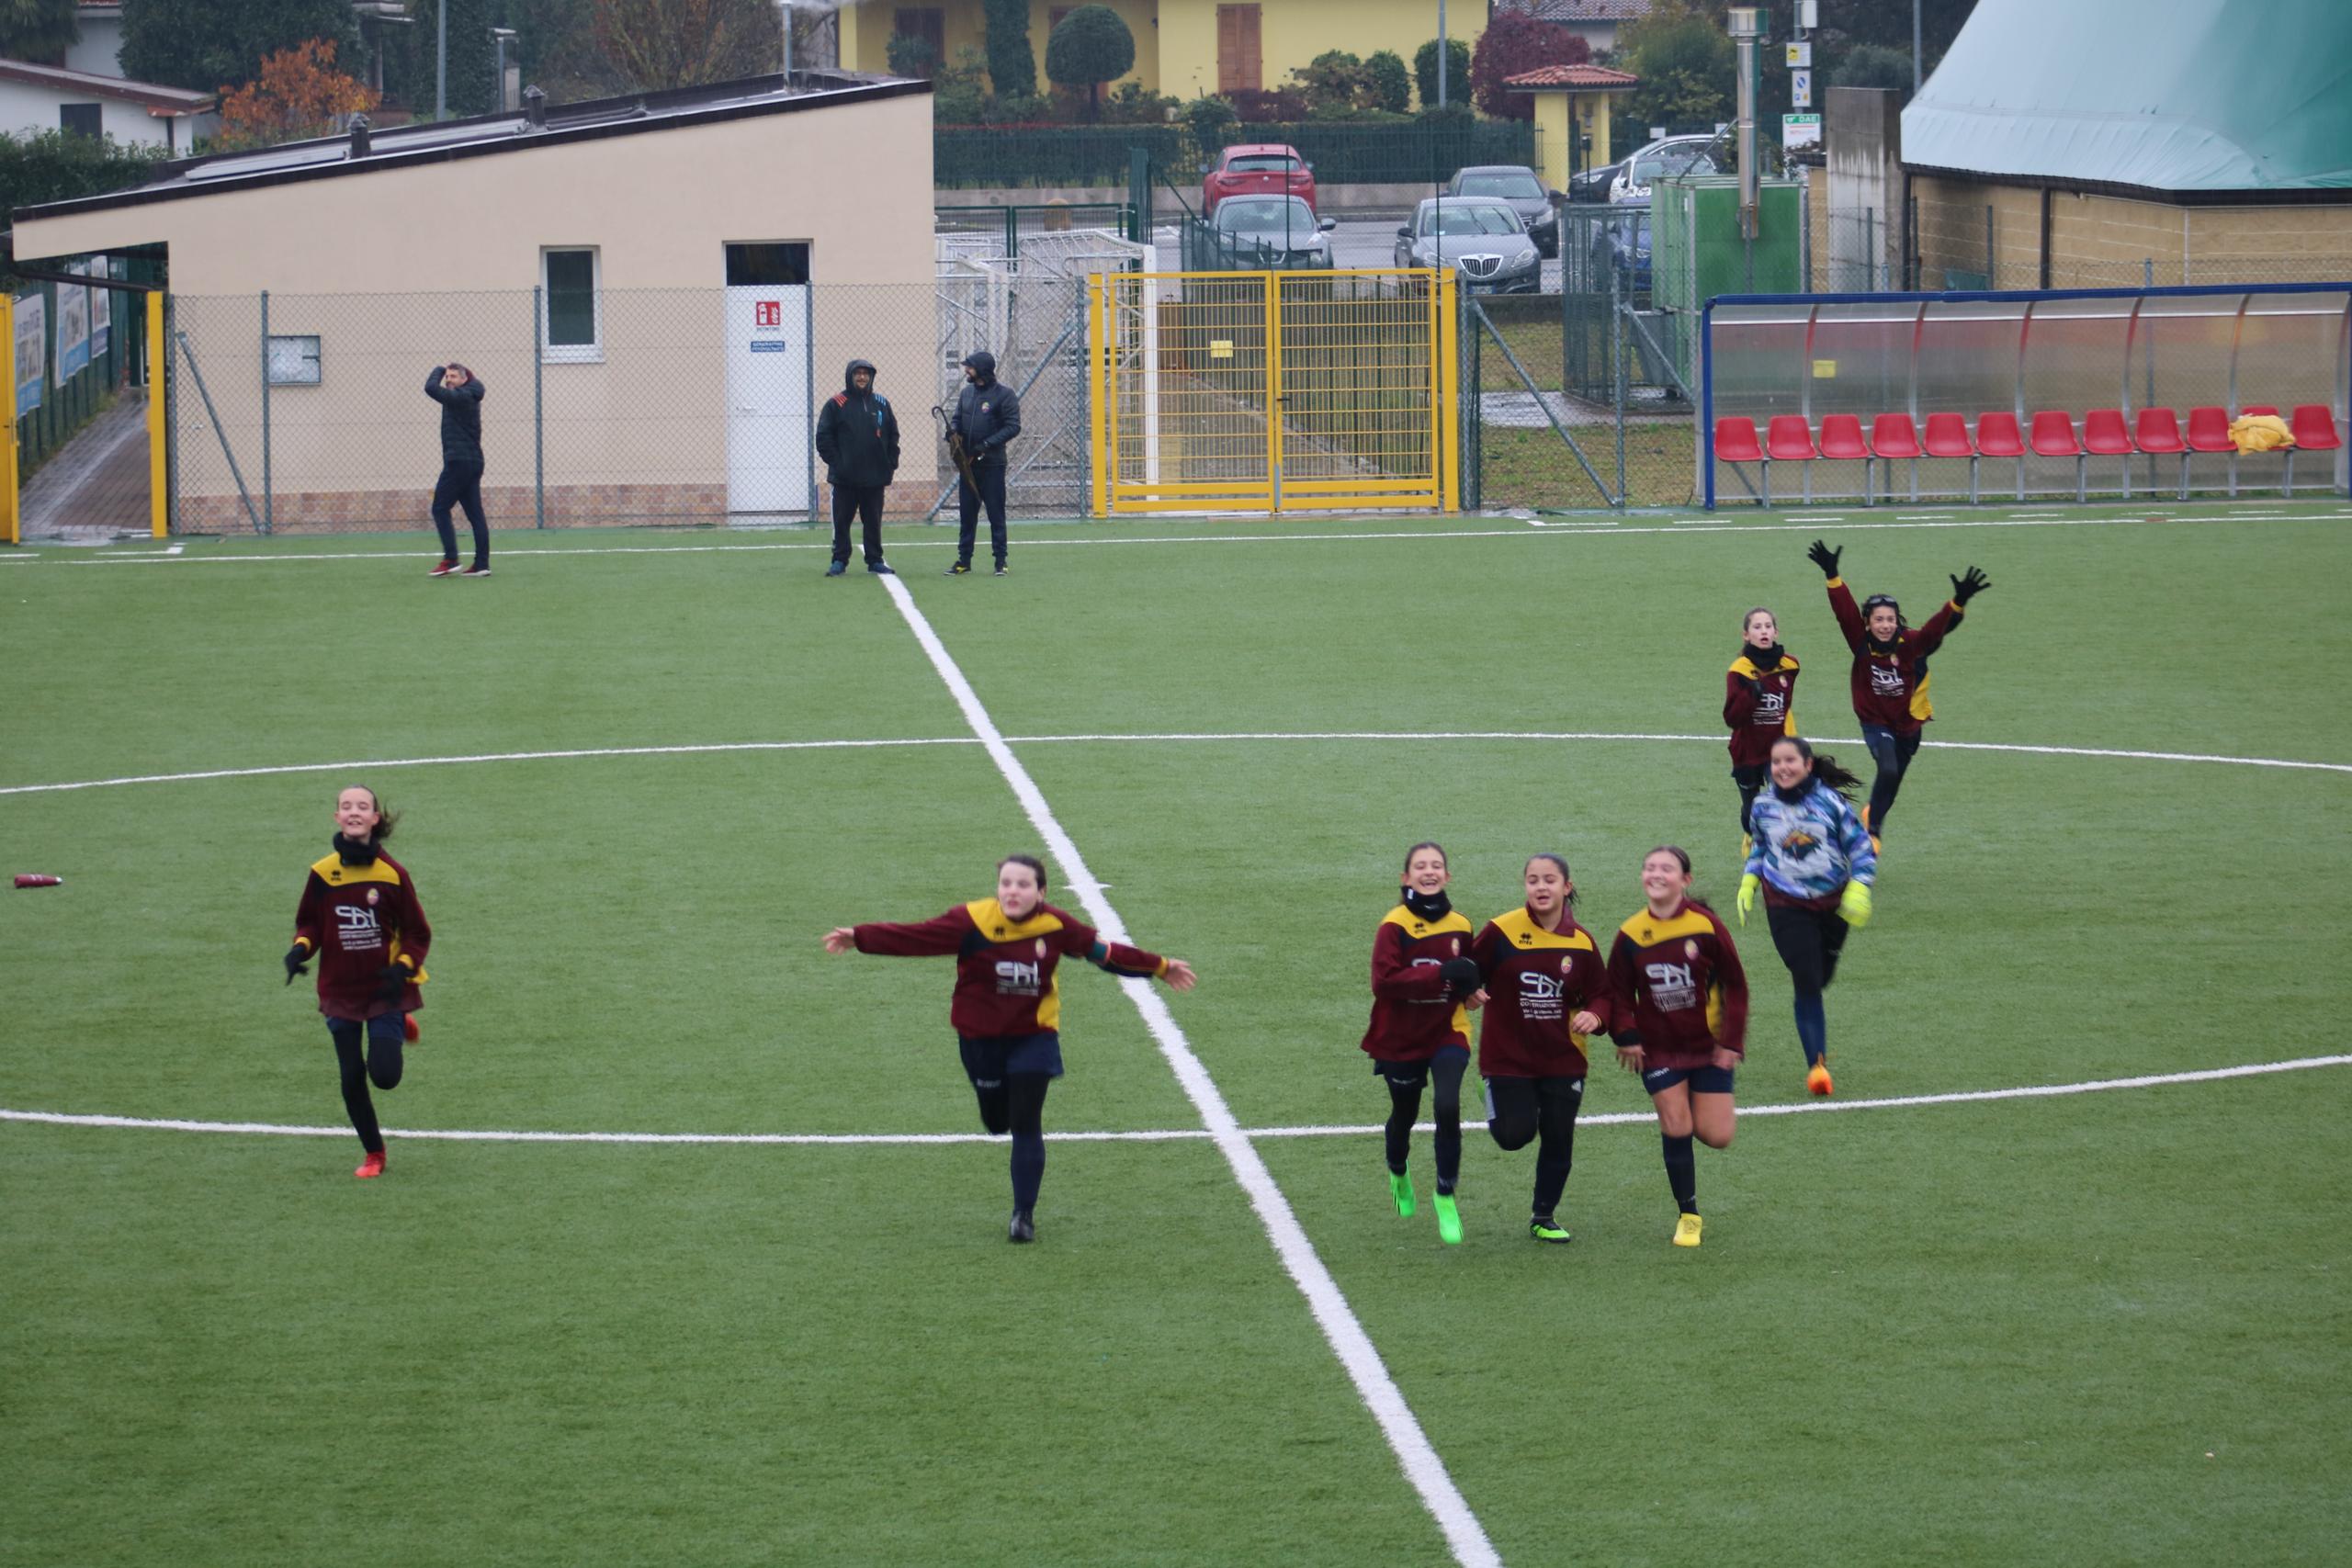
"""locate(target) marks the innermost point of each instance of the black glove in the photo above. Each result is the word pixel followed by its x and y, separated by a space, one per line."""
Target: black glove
pixel 1822 556
pixel 1963 589
pixel 1462 975
pixel 392 980
pixel 296 957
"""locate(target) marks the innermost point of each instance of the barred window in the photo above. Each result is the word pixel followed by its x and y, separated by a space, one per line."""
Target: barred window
pixel 572 307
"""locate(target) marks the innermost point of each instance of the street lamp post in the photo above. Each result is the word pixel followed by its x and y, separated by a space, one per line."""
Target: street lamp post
pixel 441 59
pixel 1441 60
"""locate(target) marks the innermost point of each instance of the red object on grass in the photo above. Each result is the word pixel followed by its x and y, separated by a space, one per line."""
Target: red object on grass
pixel 371 1168
pixel 409 1030
pixel 34 879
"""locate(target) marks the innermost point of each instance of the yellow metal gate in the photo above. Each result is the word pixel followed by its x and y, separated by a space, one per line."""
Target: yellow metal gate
pixel 1273 392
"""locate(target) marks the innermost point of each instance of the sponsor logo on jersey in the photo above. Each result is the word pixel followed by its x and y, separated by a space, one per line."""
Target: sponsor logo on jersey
pixel 1674 987
pixel 1887 679
pixel 357 929
pixel 1015 978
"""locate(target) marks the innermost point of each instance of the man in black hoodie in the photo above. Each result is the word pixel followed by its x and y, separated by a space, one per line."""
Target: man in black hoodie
pixel 858 437
pixel 458 391
pixel 987 414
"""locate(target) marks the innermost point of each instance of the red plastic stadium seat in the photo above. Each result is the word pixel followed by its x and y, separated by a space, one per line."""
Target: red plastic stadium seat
pixel 1948 437
pixel 2157 432
pixel 2314 429
pixel 2053 435
pixel 1841 438
pixel 1893 434
pixel 2104 434
pixel 2257 409
pixel 1736 441
pixel 1997 436
pixel 2208 430
pixel 1790 439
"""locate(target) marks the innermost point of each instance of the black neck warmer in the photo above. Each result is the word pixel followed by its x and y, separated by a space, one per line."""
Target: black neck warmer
pixel 354 852
pixel 1791 796
pixel 1428 905
pixel 1766 660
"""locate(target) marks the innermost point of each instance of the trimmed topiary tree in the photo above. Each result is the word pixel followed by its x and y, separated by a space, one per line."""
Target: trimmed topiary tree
pixel 1012 69
pixel 1091 47
pixel 1392 84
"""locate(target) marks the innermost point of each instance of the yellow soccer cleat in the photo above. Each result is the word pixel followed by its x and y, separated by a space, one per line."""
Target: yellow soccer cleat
pixel 1817 1081
pixel 1686 1231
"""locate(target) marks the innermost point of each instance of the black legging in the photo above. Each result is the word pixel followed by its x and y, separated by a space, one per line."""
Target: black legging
pixel 1893 753
pixel 1444 1074
pixel 381 1062
pixel 460 485
pixel 1518 1109
pixel 1016 1104
pixel 1750 780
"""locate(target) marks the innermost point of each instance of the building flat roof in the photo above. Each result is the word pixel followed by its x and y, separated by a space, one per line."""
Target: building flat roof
pixel 157 98
pixel 408 146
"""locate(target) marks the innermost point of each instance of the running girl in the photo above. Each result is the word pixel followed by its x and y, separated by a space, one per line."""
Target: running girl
pixel 1760 697
pixel 1008 1005
pixel 1890 675
pixel 360 918
pixel 1422 983
pixel 1814 863
pixel 1682 1007
pixel 1547 989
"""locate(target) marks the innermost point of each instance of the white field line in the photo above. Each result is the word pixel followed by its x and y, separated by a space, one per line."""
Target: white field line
pixel 1557 530
pixel 1159 1136
pixel 1347 1339
pixel 1171 737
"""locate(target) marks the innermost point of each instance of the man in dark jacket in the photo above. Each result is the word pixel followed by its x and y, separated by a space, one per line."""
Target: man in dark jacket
pixel 858 437
pixel 458 391
pixel 987 414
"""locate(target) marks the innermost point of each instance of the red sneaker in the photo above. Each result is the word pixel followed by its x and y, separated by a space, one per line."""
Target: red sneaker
pixel 446 569
pixel 371 1168
pixel 409 1028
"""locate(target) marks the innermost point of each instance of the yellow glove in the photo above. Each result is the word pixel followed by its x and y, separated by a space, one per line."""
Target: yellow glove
pixel 1748 887
pixel 1854 904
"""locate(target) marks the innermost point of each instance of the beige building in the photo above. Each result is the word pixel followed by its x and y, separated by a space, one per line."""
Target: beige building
pixel 703 260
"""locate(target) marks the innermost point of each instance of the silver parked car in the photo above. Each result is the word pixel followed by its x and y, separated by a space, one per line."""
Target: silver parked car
pixel 1275 231
pixel 1483 241
pixel 1516 186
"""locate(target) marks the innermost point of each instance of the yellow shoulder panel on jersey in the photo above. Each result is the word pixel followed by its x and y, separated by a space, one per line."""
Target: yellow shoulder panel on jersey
pixel 989 917
pixel 1518 929
pixel 1744 667
pixel 1418 928
pixel 334 873
pixel 1649 931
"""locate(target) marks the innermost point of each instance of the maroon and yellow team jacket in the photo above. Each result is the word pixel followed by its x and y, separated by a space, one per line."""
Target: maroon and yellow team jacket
pixel 1536 981
pixel 1414 1013
pixel 1760 707
pixel 1679 990
pixel 1005 981
pixel 358 918
pixel 1891 688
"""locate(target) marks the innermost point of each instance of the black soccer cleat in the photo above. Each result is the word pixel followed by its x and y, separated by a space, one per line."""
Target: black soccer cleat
pixel 836 569
pixel 1002 570
pixel 1023 1227
pixel 961 568
pixel 880 569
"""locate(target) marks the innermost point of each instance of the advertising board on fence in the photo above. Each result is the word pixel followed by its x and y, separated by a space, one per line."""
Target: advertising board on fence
pixel 101 311
pixel 33 351
pixel 73 332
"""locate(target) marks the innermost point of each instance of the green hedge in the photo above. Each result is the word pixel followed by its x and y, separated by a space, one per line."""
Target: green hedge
pixel 1384 153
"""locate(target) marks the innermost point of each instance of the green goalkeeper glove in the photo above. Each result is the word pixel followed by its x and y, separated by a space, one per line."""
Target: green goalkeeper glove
pixel 1854 904
pixel 1749 886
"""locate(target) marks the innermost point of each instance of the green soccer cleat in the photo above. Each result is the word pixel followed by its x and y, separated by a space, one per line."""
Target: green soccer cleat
pixel 1400 1187
pixel 1543 1227
pixel 1449 1220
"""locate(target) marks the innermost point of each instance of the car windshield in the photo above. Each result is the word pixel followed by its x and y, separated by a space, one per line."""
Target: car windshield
pixel 1466 218
pixel 1673 161
pixel 1265 212
pixel 1258 164
pixel 1510 188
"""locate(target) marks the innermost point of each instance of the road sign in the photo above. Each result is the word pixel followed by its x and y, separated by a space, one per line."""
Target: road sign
pixel 1800 130
pixel 1801 55
pixel 1801 88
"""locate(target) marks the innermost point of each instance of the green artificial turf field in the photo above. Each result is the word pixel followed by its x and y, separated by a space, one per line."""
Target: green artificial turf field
pixel 2098 1327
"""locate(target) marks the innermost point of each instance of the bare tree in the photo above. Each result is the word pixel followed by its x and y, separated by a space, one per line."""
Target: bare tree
pixel 687 43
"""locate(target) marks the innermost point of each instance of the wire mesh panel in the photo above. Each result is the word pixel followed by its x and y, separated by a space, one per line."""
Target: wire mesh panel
pixel 1273 392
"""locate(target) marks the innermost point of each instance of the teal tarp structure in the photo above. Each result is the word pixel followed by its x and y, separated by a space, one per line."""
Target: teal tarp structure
pixel 2178 96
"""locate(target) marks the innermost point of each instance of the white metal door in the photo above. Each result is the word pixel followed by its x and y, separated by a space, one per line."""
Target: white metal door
pixel 770 412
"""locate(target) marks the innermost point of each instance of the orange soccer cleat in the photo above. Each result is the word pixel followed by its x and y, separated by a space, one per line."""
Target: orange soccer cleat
pixel 371 1168
pixel 410 1030
pixel 1817 1081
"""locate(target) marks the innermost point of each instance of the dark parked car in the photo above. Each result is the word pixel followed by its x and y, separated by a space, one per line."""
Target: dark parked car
pixel 1516 185
pixel 1276 233
pixel 1483 241
pixel 1622 240
pixel 1593 185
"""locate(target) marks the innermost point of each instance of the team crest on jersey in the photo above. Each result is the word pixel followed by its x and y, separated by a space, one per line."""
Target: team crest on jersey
pixel 374 895
pixel 1041 947
pixel 1455 947
pixel 1690 949
pixel 1568 962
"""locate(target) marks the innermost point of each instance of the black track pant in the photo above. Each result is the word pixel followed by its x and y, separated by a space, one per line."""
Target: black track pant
pixel 968 503
pixel 1750 781
pixel 1893 753
pixel 1016 1104
pixel 853 500
pixel 460 485
pixel 1442 1074
pixel 380 1061
pixel 1518 1110
pixel 1809 941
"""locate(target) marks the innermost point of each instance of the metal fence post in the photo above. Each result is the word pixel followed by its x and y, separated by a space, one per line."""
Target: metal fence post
pixel 808 361
pixel 163 380
pixel 538 415
pixel 1617 376
pixel 269 516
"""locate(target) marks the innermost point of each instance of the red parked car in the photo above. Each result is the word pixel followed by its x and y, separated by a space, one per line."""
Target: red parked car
pixel 1263 168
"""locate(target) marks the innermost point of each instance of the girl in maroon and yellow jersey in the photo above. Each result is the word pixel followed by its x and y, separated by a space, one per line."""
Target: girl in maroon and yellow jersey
pixel 1682 1012
pixel 360 918
pixel 1422 984
pixel 1007 1010
pixel 1759 704
pixel 1547 989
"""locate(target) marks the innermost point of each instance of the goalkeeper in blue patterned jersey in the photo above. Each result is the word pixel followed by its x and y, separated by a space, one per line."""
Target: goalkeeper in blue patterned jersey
pixel 1812 862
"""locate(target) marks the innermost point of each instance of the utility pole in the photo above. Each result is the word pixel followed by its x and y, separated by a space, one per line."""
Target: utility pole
pixel 441 59
pixel 1917 68
pixel 1442 56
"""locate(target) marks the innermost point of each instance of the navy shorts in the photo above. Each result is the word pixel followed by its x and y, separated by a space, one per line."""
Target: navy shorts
pixel 1413 1075
pixel 1702 1080
pixel 989 1059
